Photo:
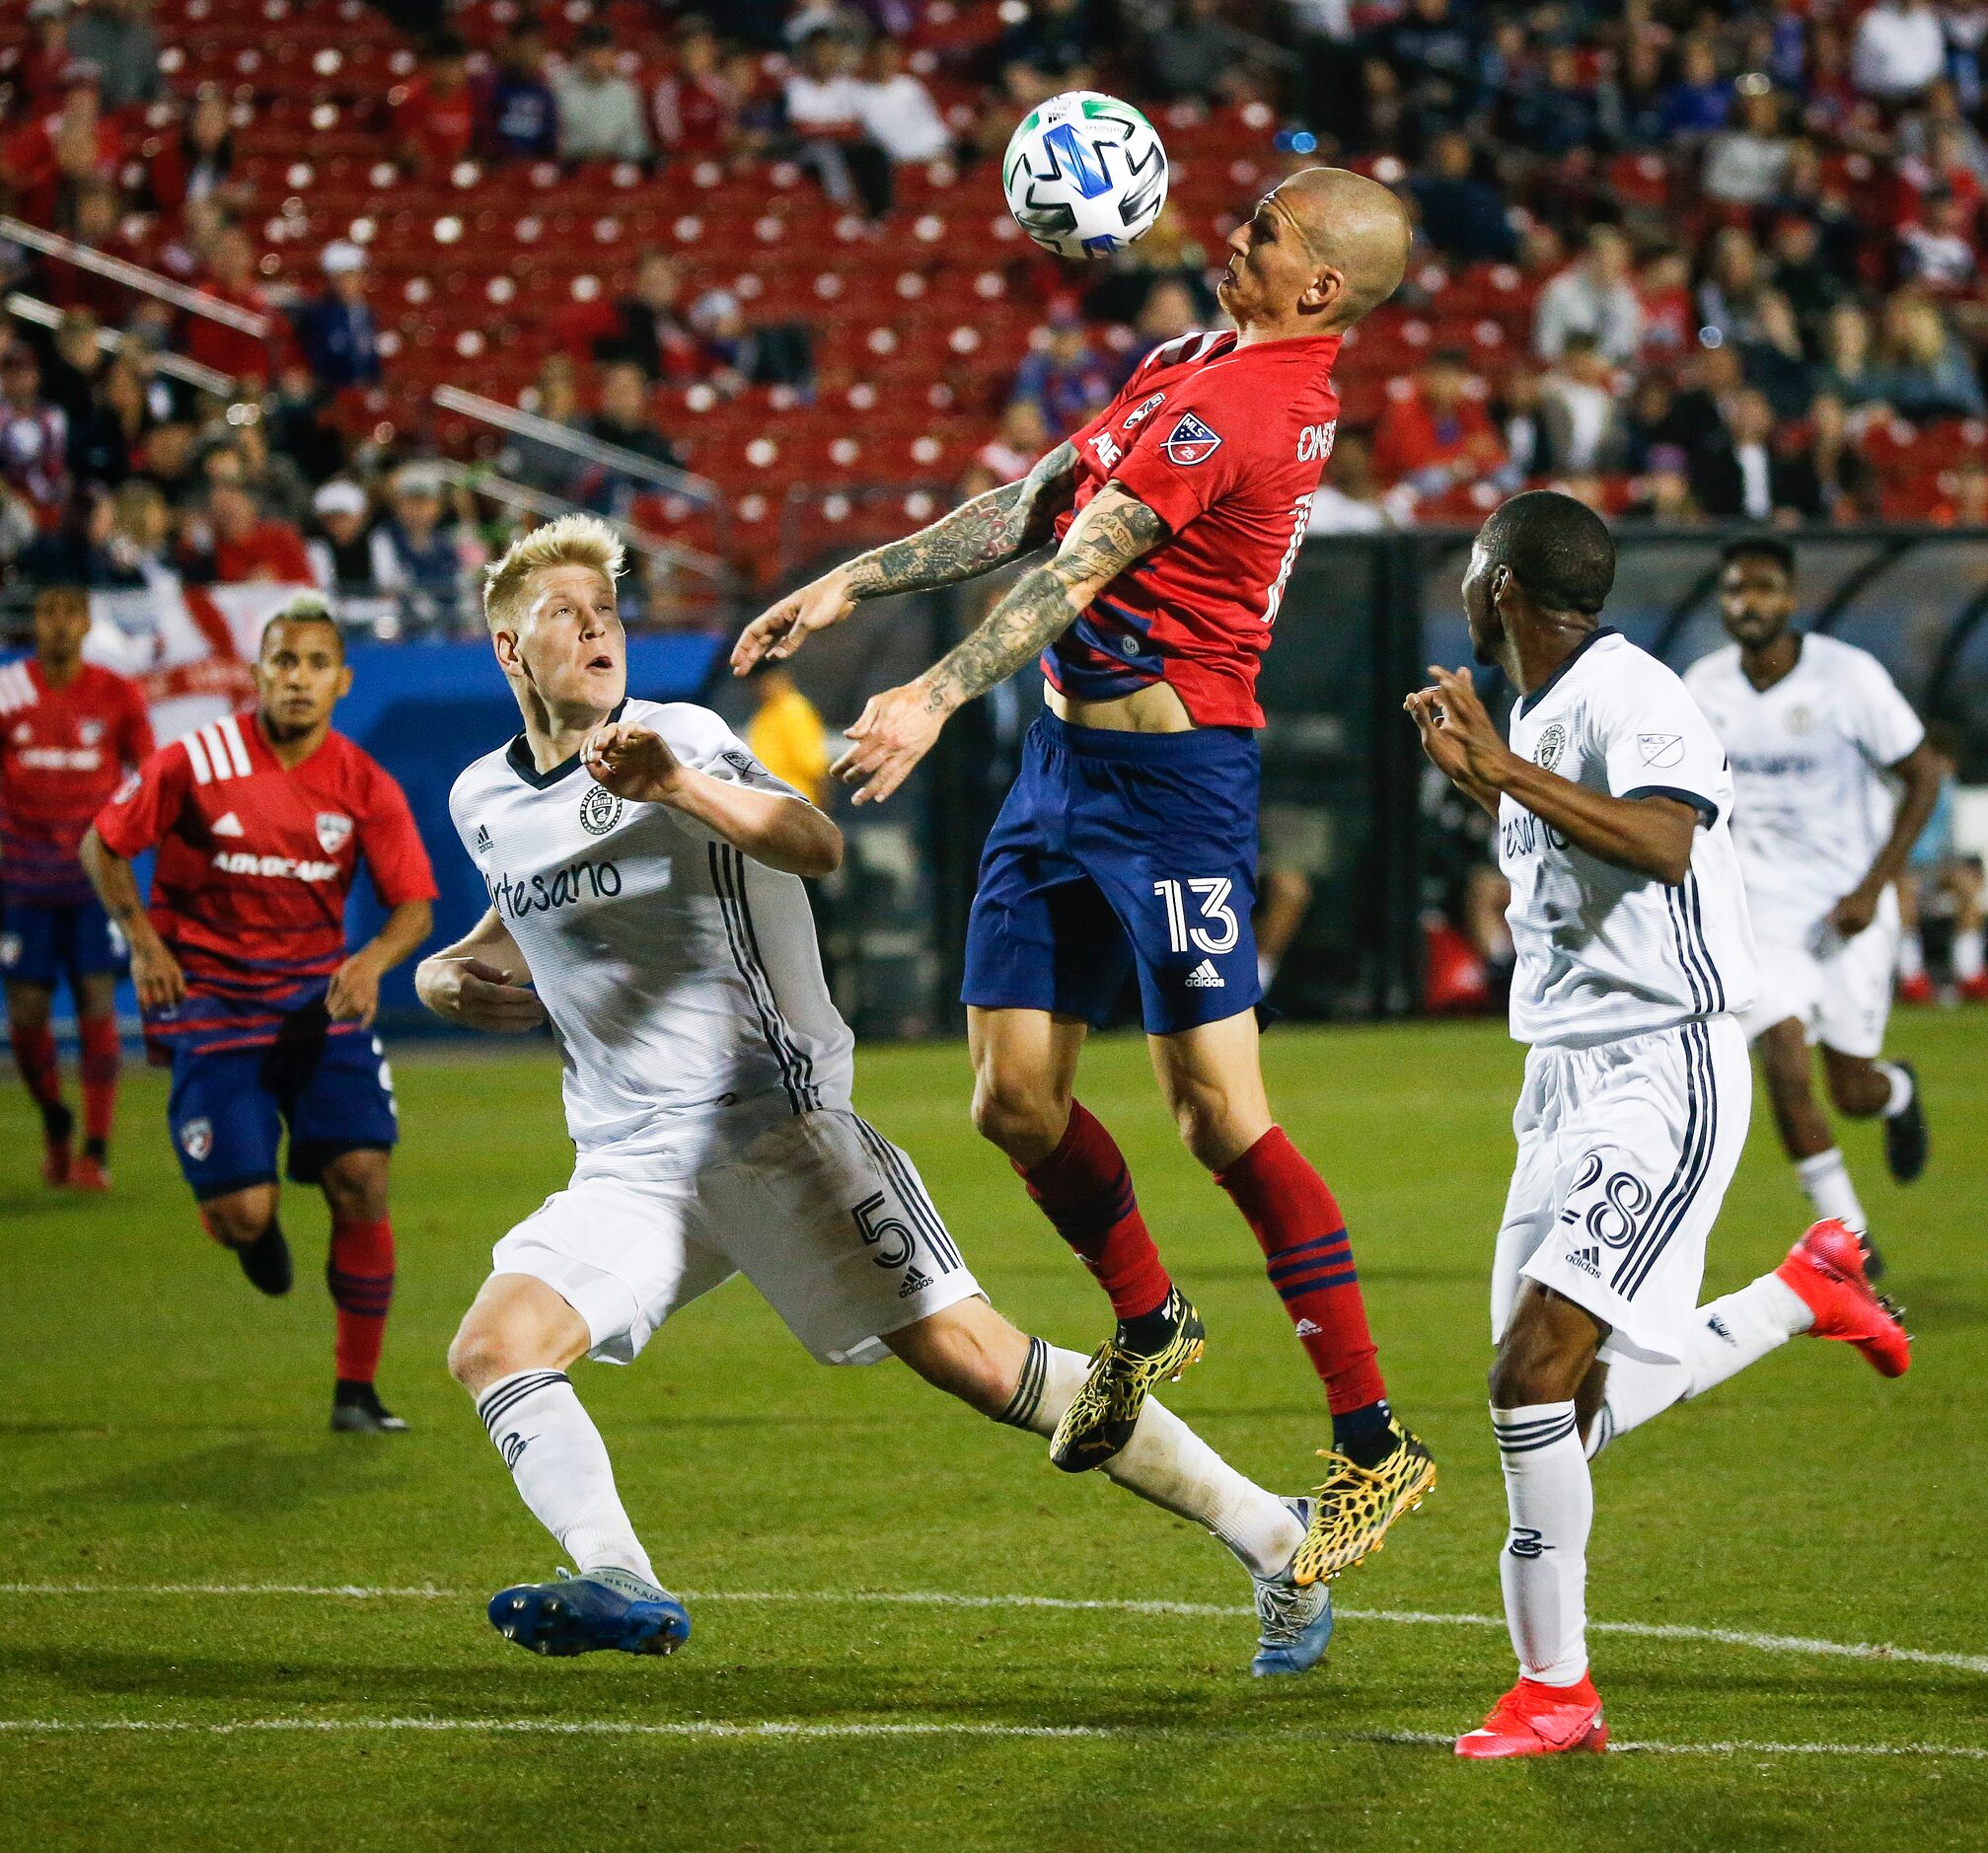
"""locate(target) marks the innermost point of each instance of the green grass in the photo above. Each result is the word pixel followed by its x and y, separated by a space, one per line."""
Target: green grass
pixel 159 1424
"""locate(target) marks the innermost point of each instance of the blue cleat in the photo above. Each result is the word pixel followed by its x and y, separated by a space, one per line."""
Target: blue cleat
pixel 1297 1620
pixel 606 1608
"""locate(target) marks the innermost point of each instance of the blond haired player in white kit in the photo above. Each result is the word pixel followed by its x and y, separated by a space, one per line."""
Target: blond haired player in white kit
pixel 1817 730
pixel 1634 956
pixel 643 872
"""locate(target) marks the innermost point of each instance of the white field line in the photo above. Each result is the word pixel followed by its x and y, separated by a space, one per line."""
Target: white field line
pixel 790 1731
pixel 940 1598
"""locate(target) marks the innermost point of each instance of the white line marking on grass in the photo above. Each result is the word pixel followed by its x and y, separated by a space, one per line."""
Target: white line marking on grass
pixel 787 1731
pixel 942 1598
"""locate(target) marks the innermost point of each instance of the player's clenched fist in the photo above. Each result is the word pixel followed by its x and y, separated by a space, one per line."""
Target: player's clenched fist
pixel 777 633
pixel 155 974
pixel 633 762
pixel 478 995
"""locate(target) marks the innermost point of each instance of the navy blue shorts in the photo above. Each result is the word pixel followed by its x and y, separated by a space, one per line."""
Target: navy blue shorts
pixel 1118 852
pixel 43 942
pixel 228 1110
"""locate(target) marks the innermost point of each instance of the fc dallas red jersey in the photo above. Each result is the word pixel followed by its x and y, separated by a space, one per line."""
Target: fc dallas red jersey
pixel 1225 445
pixel 63 753
pixel 255 864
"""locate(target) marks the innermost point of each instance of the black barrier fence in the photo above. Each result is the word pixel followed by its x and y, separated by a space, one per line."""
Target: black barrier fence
pixel 1347 801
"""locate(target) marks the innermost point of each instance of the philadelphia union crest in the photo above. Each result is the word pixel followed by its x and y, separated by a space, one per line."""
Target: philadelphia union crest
pixel 1552 743
pixel 599 811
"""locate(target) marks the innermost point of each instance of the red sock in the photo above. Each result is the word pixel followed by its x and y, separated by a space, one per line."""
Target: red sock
pixel 34 1057
pixel 1304 1237
pixel 101 1058
pixel 1085 1190
pixel 360 1275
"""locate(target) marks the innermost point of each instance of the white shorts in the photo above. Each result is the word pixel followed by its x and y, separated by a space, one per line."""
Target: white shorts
pixel 823 1214
pixel 1838 989
pixel 1625 1152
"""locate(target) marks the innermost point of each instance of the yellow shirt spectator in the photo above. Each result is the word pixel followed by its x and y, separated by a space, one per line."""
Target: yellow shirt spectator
pixel 788 737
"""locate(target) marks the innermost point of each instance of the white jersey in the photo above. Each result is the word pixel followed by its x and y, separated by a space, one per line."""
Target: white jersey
pixel 1810 757
pixel 1604 952
pixel 683 979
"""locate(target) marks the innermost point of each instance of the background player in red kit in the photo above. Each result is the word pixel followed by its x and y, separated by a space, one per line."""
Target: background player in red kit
pixel 68 732
pixel 260 822
pixel 1128 839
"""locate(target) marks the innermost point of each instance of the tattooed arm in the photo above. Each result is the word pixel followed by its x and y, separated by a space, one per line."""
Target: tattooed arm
pixel 977 536
pixel 898 727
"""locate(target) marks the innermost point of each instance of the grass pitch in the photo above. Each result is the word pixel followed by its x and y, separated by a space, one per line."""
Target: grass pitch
pixel 180 1669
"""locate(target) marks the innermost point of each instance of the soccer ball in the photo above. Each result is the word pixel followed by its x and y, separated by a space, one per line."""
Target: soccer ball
pixel 1085 175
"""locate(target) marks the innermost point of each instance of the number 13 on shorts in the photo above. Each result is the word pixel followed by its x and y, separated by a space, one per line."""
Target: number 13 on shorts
pixel 1214 929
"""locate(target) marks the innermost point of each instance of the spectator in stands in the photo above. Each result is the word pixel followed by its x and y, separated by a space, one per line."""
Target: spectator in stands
pixel 1848 372
pixel 736 354
pixel 169 464
pixel 1435 53
pixel 117 36
pixel 134 550
pixel 1595 296
pixel 1578 409
pixel 1698 103
pixel 71 365
pixel 649 328
pixel 1021 438
pixel 896 110
pixel 416 555
pixel 273 478
pixel 624 419
pixel 1462 215
pixel 1065 375
pixel 1632 101
pixel 1525 436
pixel 435 114
pixel 1963 501
pixel 823 108
pixel 1669 318
pixel 231 279
pixel 1730 292
pixel 1349 499
pixel 1168 312
pixel 33 439
pixel 106 436
pixel 1552 111
pixel 51 157
pixel 1798 271
pixel 532 461
pixel 522 116
pixel 1827 478
pixel 1938 250
pixel 1053 37
pixel 296 414
pixel 198 161
pixel 1925 373
pixel 335 329
pixel 1746 161
pixel 47 59
pixel 340 548
pixel 1434 433
pixel 1661 494
pixel 695 107
pixel 1737 473
pixel 786 736
pixel 600 115
pixel 1900 48
pixel 238 543
pixel 1774 360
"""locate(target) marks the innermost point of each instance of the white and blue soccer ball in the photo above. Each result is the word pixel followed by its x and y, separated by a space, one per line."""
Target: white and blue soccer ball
pixel 1085 175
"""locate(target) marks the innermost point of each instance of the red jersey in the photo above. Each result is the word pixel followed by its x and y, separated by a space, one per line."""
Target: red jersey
pixel 63 753
pixel 1225 445
pixel 255 864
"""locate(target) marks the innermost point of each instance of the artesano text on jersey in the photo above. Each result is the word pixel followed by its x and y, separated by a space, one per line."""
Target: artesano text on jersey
pixel 1809 761
pixel 682 978
pixel 1225 445
pixel 1602 952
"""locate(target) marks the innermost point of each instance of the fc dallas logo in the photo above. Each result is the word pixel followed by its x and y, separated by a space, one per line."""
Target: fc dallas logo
pixel 1191 441
pixel 333 827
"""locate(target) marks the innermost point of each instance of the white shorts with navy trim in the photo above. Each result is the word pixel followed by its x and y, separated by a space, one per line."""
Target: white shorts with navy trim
pixel 1625 1150
pixel 827 1218
pixel 1838 989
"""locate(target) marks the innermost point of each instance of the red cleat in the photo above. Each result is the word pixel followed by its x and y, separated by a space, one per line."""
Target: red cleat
pixel 1918 989
pixel 55 1164
pixel 1974 990
pixel 1826 1268
pixel 88 1173
pixel 1534 1720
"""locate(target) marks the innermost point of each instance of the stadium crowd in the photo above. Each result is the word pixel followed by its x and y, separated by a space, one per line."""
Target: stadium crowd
pixel 1694 263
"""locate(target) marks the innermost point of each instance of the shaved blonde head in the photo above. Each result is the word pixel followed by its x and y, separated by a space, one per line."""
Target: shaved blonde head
pixel 1355 226
pixel 570 541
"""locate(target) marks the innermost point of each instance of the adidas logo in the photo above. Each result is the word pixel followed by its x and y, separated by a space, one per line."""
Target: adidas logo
pixel 914 1283
pixel 1205 977
pixel 1716 1324
pixel 483 837
pixel 1588 1260
pixel 229 825
pixel 1306 1329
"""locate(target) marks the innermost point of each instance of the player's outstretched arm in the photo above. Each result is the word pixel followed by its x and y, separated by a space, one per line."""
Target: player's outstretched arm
pixel 988 532
pixel 1652 836
pixel 481 980
pixel 897 727
pixel 155 971
pixel 776 827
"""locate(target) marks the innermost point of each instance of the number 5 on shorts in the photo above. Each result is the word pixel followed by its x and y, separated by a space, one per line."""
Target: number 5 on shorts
pixel 1213 892
pixel 893 1240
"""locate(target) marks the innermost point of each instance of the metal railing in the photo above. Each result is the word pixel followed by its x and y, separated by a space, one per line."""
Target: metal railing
pixel 45 315
pixel 135 276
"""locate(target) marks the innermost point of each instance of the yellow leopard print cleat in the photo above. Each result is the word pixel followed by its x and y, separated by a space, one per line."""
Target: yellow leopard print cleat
pixel 1356 1504
pixel 1105 1410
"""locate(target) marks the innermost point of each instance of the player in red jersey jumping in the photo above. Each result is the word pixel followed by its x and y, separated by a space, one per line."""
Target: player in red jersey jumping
pixel 260 822
pixel 68 733
pixel 1128 841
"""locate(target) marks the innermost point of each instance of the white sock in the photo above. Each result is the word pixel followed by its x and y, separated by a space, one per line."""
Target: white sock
pixel 1826 1179
pixel 1723 1339
pixel 1165 1463
pixel 1968 954
pixel 1901 1087
pixel 1544 1564
pixel 561 1465
pixel 1912 956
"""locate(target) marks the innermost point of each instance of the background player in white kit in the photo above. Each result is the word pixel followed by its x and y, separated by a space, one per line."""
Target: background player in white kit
pixel 1813 726
pixel 644 877
pixel 1634 953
